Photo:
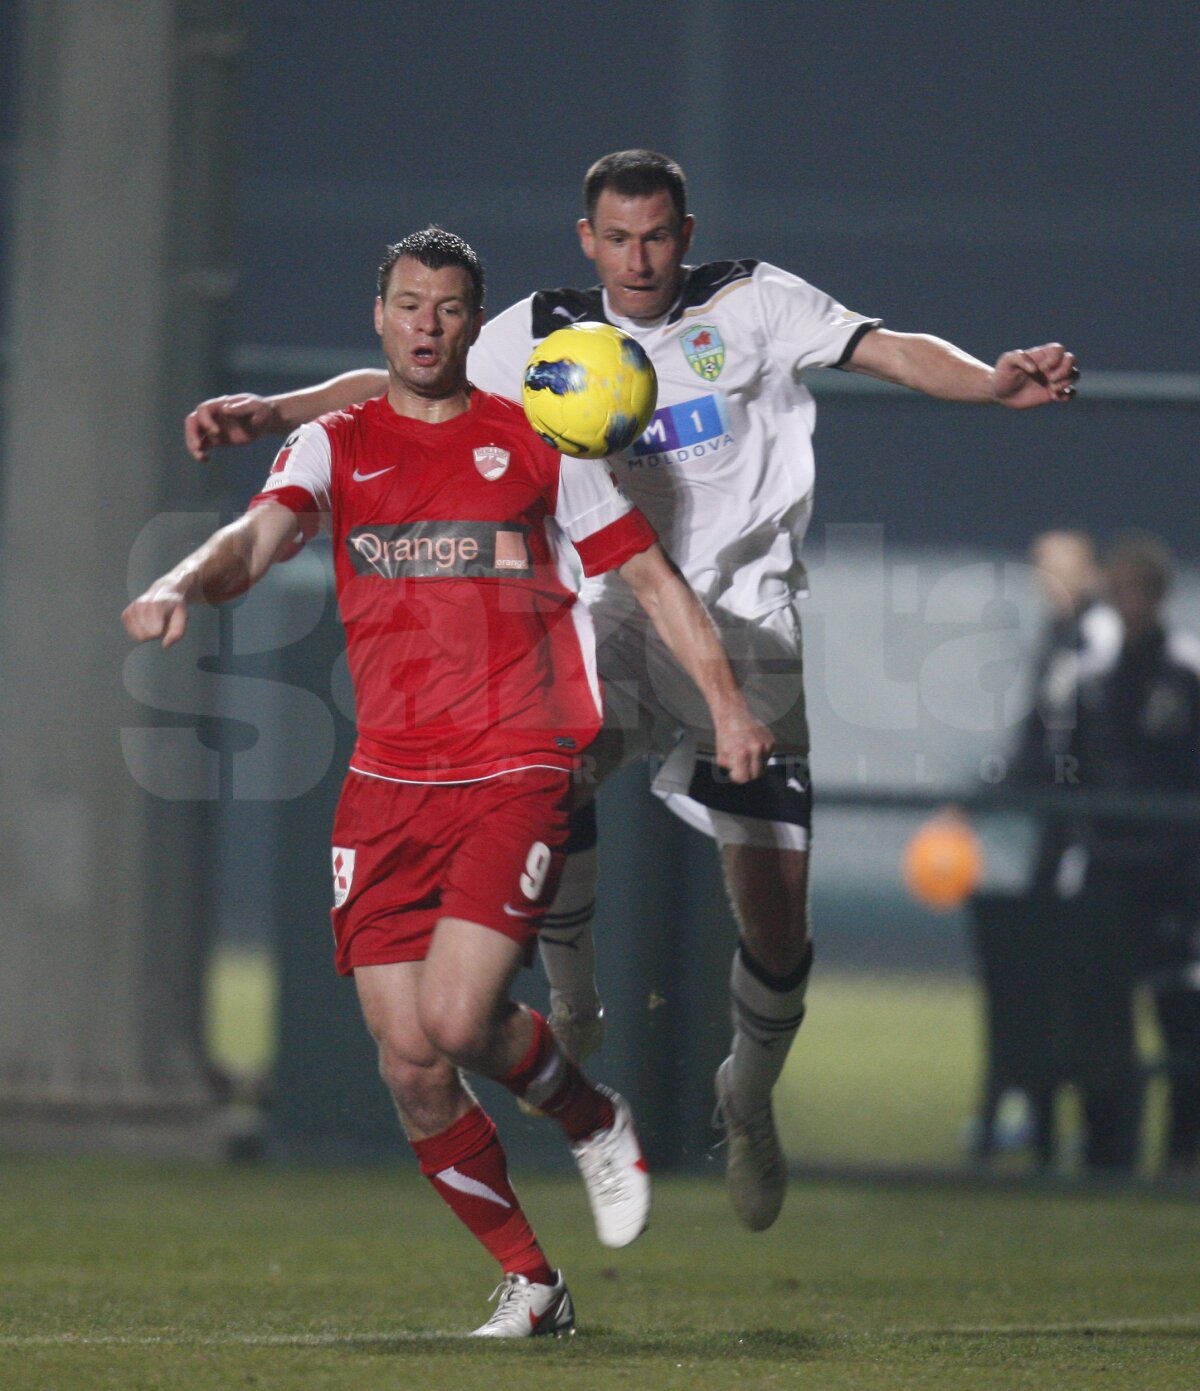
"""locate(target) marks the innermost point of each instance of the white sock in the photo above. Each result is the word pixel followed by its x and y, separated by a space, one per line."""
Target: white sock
pixel 565 940
pixel 766 1018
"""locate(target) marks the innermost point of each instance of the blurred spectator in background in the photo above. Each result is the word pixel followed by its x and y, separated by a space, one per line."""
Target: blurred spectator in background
pixel 1138 731
pixel 1113 900
pixel 1081 634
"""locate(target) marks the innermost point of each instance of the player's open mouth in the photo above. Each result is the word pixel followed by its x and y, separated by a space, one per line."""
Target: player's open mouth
pixel 642 298
pixel 424 357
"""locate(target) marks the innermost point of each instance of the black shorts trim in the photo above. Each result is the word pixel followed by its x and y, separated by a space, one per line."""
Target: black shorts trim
pixel 783 793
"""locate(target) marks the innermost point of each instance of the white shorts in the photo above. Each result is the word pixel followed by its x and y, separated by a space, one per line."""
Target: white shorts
pixel 658 710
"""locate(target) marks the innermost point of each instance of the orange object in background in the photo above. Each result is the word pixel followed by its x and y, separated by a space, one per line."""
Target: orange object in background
pixel 943 862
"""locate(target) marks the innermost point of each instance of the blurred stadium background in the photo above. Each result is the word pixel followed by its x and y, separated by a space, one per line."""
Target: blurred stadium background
pixel 194 197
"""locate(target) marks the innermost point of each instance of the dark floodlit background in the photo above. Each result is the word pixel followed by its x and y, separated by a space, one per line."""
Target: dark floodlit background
pixel 997 175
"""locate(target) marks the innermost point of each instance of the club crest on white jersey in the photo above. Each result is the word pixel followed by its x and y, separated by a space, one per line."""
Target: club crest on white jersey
pixel 704 350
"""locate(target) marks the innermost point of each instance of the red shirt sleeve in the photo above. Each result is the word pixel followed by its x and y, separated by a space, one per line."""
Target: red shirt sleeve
pixel 614 544
pixel 297 500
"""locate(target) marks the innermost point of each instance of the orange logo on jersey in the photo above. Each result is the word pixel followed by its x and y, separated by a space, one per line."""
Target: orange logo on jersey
pixel 439 549
pixel 511 551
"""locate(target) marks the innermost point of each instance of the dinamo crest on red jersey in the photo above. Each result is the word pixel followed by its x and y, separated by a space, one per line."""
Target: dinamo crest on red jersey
pixel 491 461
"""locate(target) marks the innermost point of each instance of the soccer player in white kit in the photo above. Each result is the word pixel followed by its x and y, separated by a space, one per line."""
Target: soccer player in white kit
pixel 725 474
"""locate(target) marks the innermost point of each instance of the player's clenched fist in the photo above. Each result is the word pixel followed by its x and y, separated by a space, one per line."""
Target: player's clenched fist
pixel 229 420
pixel 743 746
pixel 1034 376
pixel 159 613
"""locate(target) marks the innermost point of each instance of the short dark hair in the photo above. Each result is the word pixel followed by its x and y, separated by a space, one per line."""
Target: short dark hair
pixel 435 247
pixel 635 174
pixel 1146 558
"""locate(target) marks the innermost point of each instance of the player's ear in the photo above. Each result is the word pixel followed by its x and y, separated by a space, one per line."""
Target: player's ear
pixel 479 317
pixel 687 227
pixel 379 316
pixel 587 238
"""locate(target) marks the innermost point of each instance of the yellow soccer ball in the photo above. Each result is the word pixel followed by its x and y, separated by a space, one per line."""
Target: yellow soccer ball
pixel 589 390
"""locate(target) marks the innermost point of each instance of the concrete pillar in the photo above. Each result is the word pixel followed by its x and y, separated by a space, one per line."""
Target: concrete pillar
pixel 118 291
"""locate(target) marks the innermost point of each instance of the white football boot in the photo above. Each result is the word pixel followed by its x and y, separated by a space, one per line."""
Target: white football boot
pixel 755 1169
pixel 615 1176
pixel 526 1310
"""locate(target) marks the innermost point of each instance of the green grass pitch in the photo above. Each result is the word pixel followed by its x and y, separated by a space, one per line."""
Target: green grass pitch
pixel 118 1274
pixel 886 1071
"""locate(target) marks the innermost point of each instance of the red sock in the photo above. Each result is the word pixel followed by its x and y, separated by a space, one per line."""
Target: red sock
pixel 549 1080
pixel 466 1165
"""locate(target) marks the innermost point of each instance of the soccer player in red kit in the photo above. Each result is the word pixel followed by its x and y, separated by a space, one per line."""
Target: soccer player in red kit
pixel 476 694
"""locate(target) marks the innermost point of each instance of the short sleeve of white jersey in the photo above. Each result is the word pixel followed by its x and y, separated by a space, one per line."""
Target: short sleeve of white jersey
pixel 589 498
pixel 305 461
pixel 497 361
pixel 805 326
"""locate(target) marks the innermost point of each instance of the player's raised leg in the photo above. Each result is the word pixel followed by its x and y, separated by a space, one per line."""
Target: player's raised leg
pixel 565 935
pixel 565 941
pixel 600 1127
pixel 763 829
pixel 768 887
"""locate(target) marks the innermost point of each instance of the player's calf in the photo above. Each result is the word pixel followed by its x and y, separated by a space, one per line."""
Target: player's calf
pixel 767 1012
pixel 600 1127
pixel 565 934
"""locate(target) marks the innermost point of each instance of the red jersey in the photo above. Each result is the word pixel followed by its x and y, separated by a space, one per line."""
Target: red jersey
pixel 467 650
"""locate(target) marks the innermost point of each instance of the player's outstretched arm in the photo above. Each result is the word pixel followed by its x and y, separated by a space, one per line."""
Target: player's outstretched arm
pixel 1022 378
pixel 226 565
pixel 683 623
pixel 243 417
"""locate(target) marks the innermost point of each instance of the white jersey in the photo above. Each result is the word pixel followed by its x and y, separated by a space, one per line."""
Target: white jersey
pixel 724 471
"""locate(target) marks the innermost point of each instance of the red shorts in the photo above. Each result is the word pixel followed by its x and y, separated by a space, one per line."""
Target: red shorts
pixel 407 854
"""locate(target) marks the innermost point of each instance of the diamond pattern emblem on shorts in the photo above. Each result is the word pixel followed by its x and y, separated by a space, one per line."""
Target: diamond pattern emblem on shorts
pixel 343 874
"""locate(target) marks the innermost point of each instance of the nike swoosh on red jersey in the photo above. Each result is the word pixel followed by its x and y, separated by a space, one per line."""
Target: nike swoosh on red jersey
pixel 366 477
pixel 517 912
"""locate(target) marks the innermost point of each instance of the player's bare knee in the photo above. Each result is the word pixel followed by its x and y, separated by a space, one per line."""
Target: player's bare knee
pixel 427 1100
pixel 461 1032
pixel 416 1085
